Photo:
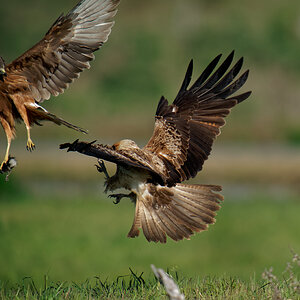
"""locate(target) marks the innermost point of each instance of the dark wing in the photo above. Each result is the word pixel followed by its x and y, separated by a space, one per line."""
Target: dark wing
pixel 120 157
pixel 185 130
pixel 67 48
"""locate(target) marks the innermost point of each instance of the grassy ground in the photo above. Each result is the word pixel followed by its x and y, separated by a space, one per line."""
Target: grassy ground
pixel 133 286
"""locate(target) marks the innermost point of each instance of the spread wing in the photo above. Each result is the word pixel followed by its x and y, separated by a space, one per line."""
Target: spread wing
pixel 67 48
pixel 120 157
pixel 185 130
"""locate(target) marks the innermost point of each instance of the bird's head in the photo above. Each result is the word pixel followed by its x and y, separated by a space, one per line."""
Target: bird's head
pixel 124 145
pixel 2 69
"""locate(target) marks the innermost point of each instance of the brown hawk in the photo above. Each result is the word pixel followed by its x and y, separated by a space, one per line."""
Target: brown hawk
pixel 50 66
pixel 182 140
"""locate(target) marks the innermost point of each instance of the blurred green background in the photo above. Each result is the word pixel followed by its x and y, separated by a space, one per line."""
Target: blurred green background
pixel 54 218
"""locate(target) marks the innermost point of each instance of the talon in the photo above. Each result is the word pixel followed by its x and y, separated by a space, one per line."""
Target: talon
pixel 30 145
pixel 117 196
pixel 117 201
pixel 120 196
pixel 101 168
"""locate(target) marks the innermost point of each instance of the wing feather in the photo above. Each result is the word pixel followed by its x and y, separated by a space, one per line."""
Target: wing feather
pixel 185 130
pixel 215 77
pixel 67 48
pixel 120 157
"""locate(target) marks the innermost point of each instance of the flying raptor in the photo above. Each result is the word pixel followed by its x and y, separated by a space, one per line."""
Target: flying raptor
pixel 182 139
pixel 50 66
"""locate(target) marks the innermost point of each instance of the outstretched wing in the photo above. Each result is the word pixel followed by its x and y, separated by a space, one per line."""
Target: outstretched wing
pixel 120 157
pixel 67 48
pixel 185 130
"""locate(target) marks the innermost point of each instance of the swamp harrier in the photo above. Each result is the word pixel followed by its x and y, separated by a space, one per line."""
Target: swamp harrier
pixel 182 139
pixel 50 66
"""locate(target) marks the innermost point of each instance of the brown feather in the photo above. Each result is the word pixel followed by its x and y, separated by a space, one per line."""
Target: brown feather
pixel 185 130
pixel 177 211
pixel 182 140
pixel 52 64
pixel 71 40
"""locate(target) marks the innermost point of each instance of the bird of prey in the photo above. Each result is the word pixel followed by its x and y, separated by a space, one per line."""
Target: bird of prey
pixel 183 135
pixel 50 66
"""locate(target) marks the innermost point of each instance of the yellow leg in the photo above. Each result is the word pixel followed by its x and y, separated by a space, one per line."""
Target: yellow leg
pixel 6 154
pixel 23 112
pixel 9 135
pixel 7 149
pixel 30 145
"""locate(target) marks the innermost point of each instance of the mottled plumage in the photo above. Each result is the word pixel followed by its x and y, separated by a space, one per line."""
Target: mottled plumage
pixel 182 139
pixel 51 65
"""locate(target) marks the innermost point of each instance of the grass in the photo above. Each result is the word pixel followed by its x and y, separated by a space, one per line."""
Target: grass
pixel 134 286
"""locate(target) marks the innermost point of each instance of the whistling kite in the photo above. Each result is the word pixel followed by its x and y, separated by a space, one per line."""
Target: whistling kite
pixel 182 139
pixel 51 65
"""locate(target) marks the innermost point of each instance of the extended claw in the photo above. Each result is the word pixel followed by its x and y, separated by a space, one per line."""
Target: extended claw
pixel 30 145
pixel 102 168
pixel 118 197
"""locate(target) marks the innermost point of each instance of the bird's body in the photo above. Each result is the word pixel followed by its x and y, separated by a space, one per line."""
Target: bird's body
pixel 51 65
pixel 175 211
pixel 182 139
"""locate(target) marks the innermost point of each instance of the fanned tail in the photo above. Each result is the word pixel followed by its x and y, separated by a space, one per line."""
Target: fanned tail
pixel 176 212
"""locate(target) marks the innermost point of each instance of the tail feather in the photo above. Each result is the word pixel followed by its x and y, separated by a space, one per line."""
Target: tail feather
pixel 182 229
pixel 193 216
pixel 196 208
pixel 189 221
pixel 37 113
pixel 176 212
pixel 176 231
pixel 60 121
pixel 134 231
pixel 210 202
pixel 153 226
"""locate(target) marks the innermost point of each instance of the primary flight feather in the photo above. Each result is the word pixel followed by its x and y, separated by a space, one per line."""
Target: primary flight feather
pixel 183 135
